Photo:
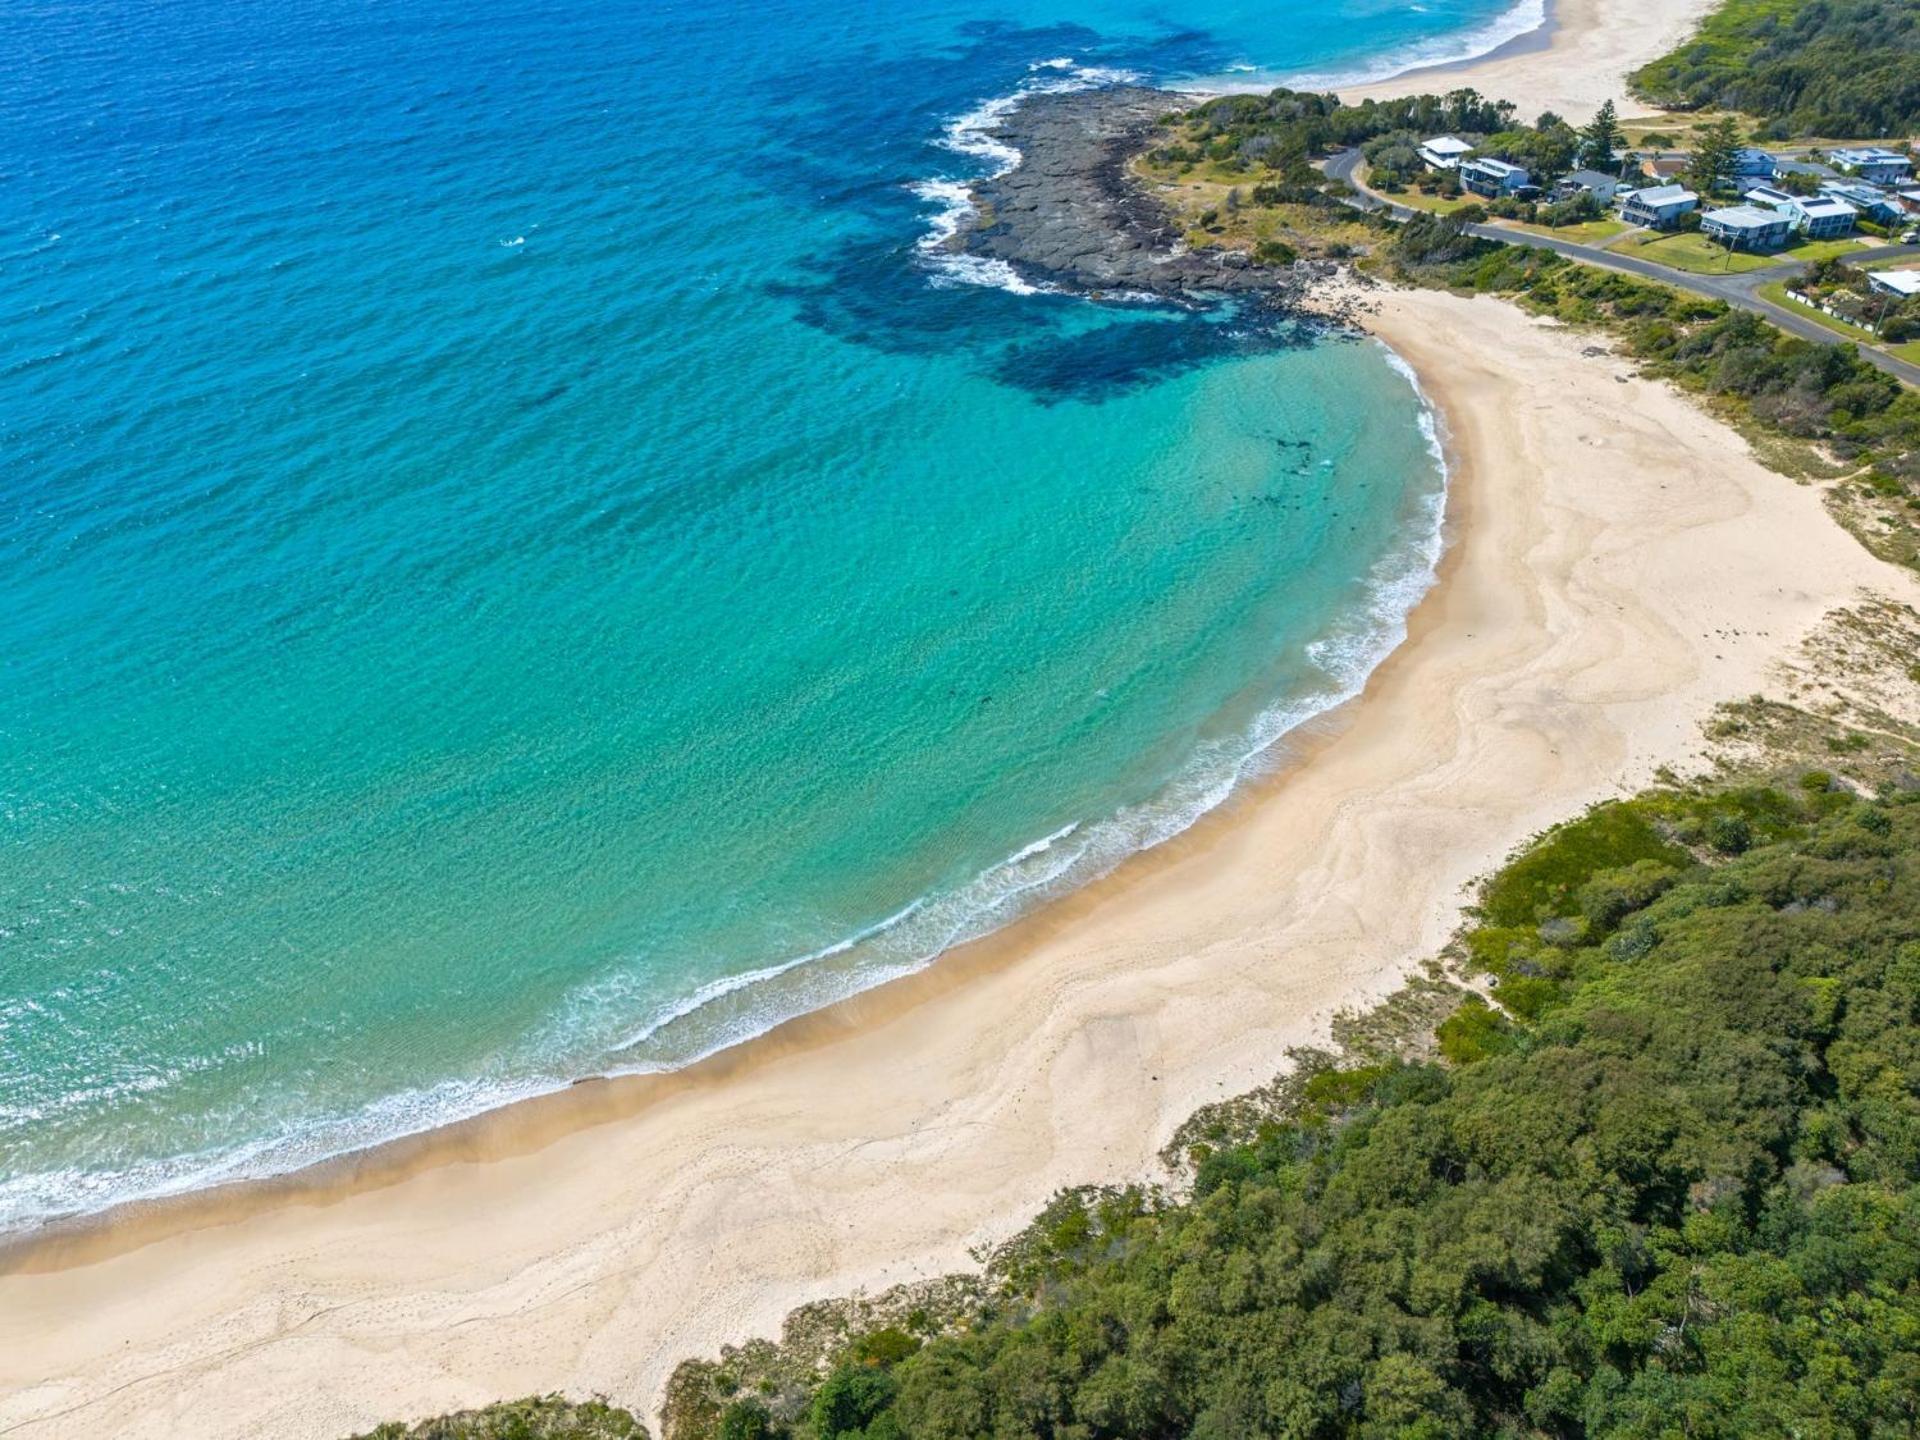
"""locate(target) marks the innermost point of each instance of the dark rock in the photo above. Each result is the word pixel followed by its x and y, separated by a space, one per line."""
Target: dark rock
pixel 1070 214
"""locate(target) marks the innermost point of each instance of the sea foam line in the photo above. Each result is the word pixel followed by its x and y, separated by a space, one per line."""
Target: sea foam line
pixel 971 135
pixel 732 1009
pixel 1451 49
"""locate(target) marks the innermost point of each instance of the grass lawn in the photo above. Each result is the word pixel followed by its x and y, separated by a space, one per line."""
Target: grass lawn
pixel 1587 232
pixel 1909 352
pixel 1697 254
pixel 1820 250
pixel 1414 199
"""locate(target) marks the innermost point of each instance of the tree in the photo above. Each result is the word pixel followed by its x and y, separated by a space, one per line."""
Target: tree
pixel 1713 156
pixel 1601 138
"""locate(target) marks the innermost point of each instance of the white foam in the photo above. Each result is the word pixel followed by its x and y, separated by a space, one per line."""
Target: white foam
pixel 970 135
pixel 1455 48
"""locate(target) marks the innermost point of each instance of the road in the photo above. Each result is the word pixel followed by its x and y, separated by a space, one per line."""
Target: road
pixel 1739 290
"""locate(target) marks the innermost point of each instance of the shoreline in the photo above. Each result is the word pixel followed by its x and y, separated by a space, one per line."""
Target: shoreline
pixel 507 1129
pixel 589 1240
pixel 1578 56
pixel 482 1134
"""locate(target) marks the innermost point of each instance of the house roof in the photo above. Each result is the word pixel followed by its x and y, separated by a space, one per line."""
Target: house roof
pixel 1767 195
pixel 1901 282
pixel 1860 194
pixel 1659 195
pixel 1743 217
pixel 1803 167
pixel 1869 155
pixel 1588 177
pixel 1446 145
pixel 1497 167
pixel 1827 209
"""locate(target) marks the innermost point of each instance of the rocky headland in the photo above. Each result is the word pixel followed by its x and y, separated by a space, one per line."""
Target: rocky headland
pixel 1070 214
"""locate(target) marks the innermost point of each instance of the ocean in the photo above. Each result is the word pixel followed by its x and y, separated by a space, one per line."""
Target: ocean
pixel 522 559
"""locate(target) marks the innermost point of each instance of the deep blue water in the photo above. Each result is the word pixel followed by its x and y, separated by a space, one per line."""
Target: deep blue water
pixel 517 564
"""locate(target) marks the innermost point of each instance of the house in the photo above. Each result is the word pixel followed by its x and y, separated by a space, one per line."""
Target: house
pixel 1811 169
pixel 1492 178
pixel 1876 204
pixel 1586 182
pixel 1747 227
pixel 1873 163
pixel 1445 152
pixel 1820 217
pixel 1751 164
pixel 1659 206
pixel 1665 167
pixel 1904 283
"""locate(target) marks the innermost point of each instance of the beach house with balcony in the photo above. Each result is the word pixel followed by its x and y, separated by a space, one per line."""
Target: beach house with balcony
pixel 1903 283
pixel 1747 227
pixel 1445 152
pixel 1823 217
pixel 1492 179
pixel 1659 207
pixel 1818 217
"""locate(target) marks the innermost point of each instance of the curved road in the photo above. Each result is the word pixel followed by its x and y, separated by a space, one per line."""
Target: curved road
pixel 1738 290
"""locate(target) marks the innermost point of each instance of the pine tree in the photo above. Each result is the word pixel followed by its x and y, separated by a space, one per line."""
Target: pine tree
pixel 1713 156
pixel 1601 138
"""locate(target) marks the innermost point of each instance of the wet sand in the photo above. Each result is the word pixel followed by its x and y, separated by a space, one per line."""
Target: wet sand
pixel 1617 564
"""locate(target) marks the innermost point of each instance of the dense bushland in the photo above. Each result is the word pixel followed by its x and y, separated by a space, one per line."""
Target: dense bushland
pixel 1668 1182
pixel 1840 68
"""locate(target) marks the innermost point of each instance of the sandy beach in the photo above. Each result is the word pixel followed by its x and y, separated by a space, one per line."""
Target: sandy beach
pixel 1580 58
pixel 1617 565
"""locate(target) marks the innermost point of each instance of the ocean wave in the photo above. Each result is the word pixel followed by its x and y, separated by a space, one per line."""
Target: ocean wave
pixel 729 1012
pixel 1453 48
pixel 597 1018
pixel 970 135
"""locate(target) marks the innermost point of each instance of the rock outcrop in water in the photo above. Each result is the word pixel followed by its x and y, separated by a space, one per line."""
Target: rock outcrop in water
pixel 1071 215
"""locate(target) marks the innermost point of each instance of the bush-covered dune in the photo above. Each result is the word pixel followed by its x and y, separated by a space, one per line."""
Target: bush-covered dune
pixel 1668 1183
pixel 1839 68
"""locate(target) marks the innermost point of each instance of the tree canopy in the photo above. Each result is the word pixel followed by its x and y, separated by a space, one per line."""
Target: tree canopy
pixel 1838 68
pixel 1668 1183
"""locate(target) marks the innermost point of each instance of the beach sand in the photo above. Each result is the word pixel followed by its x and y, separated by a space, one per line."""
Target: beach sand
pixel 1617 565
pixel 1580 58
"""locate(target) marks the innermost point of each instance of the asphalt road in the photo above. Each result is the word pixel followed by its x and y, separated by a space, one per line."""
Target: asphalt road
pixel 1739 290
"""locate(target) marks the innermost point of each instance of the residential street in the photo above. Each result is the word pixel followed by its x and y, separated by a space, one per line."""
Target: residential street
pixel 1740 289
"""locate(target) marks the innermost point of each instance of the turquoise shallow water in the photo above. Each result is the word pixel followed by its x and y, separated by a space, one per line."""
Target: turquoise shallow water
pixel 518 564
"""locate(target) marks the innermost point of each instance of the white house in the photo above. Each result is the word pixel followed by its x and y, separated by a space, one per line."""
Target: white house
pixel 1492 178
pixel 1820 217
pixel 1658 206
pixel 1904 283
pixel 1874 163
pixel 1747 227
pixel 1586 182
pixel 1444 152
pixel 1749 164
